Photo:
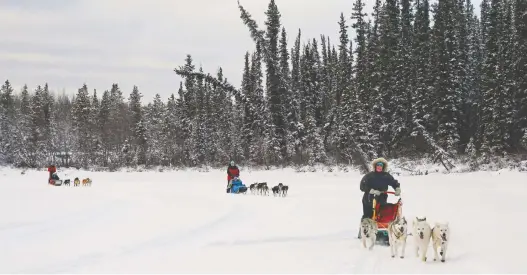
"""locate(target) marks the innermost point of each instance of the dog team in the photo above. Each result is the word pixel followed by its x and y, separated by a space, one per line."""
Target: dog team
pixel 261 188
pixel 77 182
pixel 422 233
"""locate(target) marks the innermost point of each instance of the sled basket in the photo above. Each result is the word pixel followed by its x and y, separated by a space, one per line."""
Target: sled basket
pixel 387 213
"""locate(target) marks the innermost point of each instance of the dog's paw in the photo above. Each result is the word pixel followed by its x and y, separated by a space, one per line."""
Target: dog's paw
pixel 393 256
pixel 402 257
pixel 442 261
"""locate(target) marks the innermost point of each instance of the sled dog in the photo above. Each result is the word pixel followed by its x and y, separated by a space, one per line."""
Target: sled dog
pixel 368 229
pixel 261 187
pixel 276 190
pixel 397 234
pixel 422 233
pixel 86 182
pixel 440 238
pixel 252 187
pixel 283 189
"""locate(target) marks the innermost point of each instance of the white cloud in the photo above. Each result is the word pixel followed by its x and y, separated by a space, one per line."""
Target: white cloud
pixel 139 42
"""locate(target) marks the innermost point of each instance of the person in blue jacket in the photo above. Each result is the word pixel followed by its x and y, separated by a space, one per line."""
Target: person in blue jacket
pixel 374 183
pixel 236 185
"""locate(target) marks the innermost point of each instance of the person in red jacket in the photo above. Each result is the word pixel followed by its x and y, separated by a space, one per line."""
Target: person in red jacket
pixel 232 172
pixel 51 169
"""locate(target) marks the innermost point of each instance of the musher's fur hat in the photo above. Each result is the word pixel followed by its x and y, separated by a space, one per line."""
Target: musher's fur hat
pixel 377 160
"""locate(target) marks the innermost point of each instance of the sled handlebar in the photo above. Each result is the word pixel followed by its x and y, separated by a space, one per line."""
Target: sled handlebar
pixel 389 192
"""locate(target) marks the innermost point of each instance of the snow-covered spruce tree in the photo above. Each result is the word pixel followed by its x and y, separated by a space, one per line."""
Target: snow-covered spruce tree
pixel 422 97
pixel 460 70
pixel 211 138
pixel 81 127
pixel 226 119
pixel 22 130
pixel 235 112
pixel 361 106
pixel 325 93
pixel 171 141
pixel 293 118
pixel 50 128
pixel 103 128
pixel 318 81
pixel 199 123
pixel 507 76
pixel 286 98
pixel 495 108
pixel 330 77
pixel 7 123
pixel 446 84
pixel 388 94
pixel 520 71
pixel 64 138
pixel 247 131
pixel 374 104
pixel 36 144
pixel 312 143
pixel 187 111
pixel 155 114
pixel 257 102
pixel 118 127
pixel 342 97
pixel 273 83
pixel 96 145
pixel 473 101
pixel 138 139
pixel 471 153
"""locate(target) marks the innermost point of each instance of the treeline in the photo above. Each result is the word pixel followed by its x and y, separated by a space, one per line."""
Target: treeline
pixel 418 80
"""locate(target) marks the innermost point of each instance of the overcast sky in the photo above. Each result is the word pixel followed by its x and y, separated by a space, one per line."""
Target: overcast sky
pixel 139 42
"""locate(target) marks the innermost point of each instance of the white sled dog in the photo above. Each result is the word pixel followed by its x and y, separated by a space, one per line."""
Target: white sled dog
pixel 422 233
pixel 368 229
pixel 440 238
pixel 397 233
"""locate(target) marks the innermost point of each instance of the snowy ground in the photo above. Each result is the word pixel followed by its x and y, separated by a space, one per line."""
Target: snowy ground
pixel 184 222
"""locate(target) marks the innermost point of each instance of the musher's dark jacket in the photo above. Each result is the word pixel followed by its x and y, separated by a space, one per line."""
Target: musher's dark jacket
pixel 378 181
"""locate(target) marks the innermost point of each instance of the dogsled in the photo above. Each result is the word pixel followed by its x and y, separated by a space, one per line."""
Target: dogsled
pixel 383 215
pixel 55 180
pixel 236 186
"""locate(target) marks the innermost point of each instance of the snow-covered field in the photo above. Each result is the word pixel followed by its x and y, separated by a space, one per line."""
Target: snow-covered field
pixel 184 222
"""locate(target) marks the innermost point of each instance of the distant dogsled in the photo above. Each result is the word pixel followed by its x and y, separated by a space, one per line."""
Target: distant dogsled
pixel 236 186
pixel 56 181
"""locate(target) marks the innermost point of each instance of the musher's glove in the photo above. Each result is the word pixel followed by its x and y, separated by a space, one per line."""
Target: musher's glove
pixel 375 192
pixel 398 191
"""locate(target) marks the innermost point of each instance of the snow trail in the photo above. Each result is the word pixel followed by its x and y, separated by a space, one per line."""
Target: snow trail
pixel 183 221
